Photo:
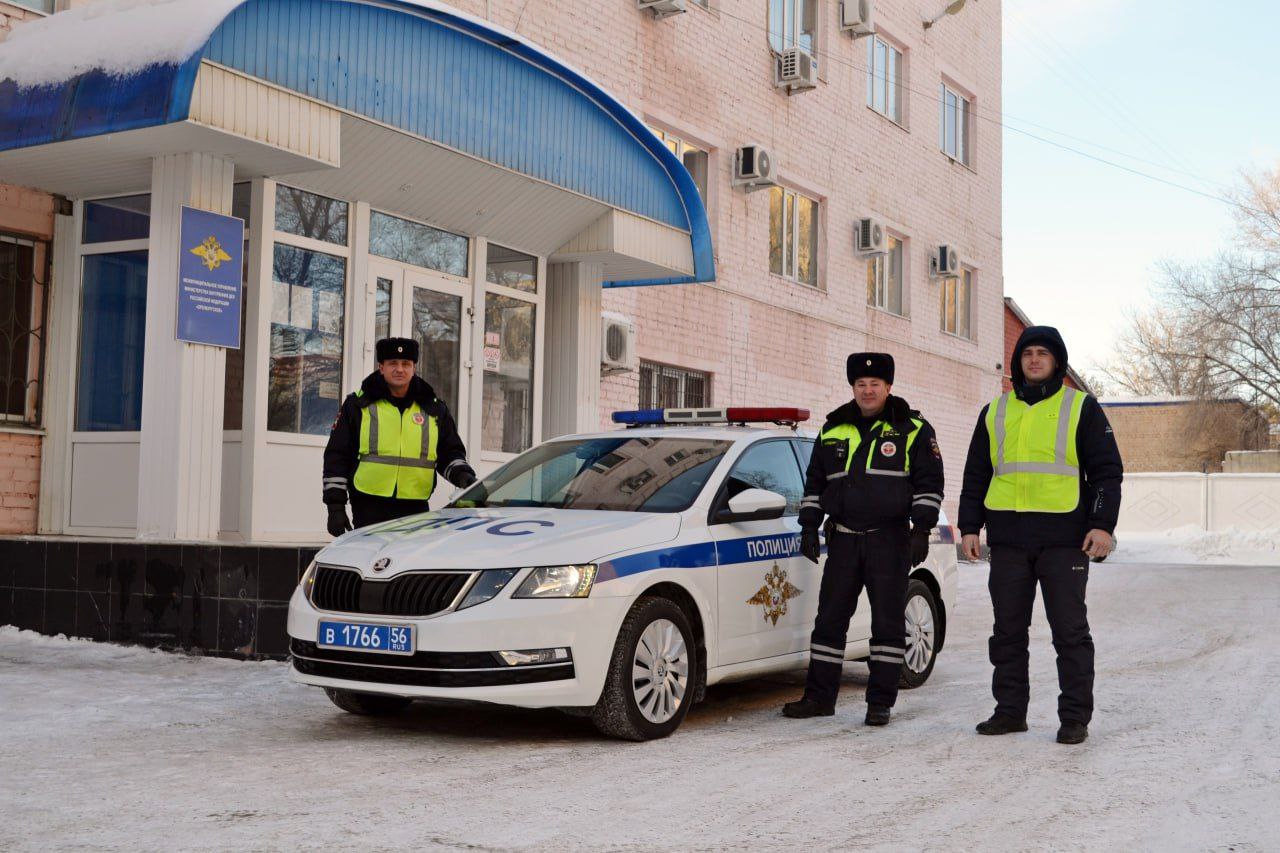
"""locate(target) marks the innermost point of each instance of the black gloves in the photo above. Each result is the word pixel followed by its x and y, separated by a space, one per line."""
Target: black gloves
pixel 809 545
pixel 919 545
pixel 464 478
pixel 338 523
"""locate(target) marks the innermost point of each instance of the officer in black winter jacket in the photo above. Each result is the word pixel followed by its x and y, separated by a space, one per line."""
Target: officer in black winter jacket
pixel 876 471
pixel 1043 476
pixel 388 443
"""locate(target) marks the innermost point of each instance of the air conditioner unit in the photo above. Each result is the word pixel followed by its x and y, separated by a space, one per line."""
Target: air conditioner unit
pixel 663 8
pixel 945 262
pixel 753 168
pixel 868 237
pixel 856 17
pixel 617 343
pixel 797 70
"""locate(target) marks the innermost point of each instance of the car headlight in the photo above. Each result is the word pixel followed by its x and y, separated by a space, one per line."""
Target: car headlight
pixel 307 579
pixel 558 582
pixel 489 584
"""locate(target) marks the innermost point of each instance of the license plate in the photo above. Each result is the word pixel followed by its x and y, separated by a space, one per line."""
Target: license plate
pixel 388 639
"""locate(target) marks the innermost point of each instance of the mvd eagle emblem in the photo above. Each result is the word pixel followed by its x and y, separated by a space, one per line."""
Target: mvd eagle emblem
pixel 211 253
pixel 775 594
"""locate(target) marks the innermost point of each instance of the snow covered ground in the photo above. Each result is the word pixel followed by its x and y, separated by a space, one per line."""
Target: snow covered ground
pixel 110 747
pixel 1190 545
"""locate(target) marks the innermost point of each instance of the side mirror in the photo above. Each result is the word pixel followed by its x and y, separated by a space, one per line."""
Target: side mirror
pixel 752 505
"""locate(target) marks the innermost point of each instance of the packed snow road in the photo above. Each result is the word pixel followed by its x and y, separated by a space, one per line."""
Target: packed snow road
pixel 110 747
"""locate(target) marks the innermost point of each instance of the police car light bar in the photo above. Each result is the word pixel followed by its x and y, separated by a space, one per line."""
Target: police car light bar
pixel 732 415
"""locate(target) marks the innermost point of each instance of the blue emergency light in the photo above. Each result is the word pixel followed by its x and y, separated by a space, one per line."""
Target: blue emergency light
pixel 732 415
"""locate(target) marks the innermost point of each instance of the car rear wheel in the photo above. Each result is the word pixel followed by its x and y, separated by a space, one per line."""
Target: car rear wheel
pixel 650 684
pixel 922 634
pixel 367 704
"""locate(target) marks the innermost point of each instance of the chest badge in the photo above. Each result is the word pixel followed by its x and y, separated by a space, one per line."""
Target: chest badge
pixel 889 449
pixel 774 595
pixel 418 418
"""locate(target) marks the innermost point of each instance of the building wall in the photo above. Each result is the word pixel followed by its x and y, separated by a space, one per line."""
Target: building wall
pixel 1183 436
pixel 708 76
pixel 11 15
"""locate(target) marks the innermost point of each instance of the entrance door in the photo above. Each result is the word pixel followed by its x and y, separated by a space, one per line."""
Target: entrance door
pixel 435 311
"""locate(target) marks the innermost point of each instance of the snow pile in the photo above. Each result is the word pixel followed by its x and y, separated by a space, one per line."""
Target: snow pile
pixel 1191 544
pixel 120 37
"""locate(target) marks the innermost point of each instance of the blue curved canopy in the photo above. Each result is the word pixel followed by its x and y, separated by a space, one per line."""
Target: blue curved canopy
pixel 424 69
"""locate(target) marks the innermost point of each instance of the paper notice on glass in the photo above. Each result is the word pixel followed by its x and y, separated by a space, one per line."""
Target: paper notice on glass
pixel 279 303
pixel 327 390
pixel 300 307
pixel 330 321
pixel 492 358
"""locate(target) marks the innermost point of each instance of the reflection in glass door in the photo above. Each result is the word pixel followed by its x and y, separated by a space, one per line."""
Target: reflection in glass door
pixel 436 324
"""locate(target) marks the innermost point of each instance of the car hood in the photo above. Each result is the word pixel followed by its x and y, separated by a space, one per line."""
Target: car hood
pixel 496 539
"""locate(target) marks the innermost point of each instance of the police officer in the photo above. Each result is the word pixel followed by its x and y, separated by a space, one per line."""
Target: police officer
pixel 388 443
pixel 1043 475
pixel 877 472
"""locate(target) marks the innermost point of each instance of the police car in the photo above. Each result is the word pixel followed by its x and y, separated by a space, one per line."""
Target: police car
pixel 614 575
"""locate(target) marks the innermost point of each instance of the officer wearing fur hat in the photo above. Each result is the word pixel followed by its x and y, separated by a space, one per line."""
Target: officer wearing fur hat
pixel 877 473
pixel 388 443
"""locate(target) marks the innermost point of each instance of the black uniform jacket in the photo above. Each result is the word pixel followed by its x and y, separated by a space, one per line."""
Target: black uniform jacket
pixel 1100 467
pixel 341 453
pixel 861 501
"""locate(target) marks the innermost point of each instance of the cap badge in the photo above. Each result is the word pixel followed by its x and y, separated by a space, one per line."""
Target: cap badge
pixel 868 362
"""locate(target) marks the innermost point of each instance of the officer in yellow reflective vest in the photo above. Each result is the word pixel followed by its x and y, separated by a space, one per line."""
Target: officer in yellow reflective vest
pixel 1043 476
pixel 387 445
pixel 876 471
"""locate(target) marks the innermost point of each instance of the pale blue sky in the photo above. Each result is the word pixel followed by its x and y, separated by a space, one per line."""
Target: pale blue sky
pixel 1189 85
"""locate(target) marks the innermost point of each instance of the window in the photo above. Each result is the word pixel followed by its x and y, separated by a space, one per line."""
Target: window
pixel 792 23
pixel 309 215
pixel 510 330
pixel 665 387
pixel 957 297
pixel 23 276
pixel 114 220
pixel 884 278
pixel 772 466
pixel 955 125
pixel 693 158
pixel 308 295
pixel 233 389
pixel 417 244
pixel 793 236
pixel 884 78
pixel 113 322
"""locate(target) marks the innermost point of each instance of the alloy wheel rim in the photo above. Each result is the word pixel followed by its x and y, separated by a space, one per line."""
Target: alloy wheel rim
pixel 660 671
pixel 920 634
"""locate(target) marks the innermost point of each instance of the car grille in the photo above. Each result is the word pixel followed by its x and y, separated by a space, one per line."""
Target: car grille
pixel 412 594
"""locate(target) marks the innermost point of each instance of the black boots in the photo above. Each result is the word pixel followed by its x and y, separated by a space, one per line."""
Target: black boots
pixel 1000 724
pixel 806 707
pixel 877 715
pixel 1072 732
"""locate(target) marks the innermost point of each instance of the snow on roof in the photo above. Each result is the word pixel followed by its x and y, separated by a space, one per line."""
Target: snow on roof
pixel 1161 400
pixel 119 37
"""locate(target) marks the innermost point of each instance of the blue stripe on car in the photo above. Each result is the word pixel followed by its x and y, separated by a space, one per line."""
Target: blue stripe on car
pixel 748 549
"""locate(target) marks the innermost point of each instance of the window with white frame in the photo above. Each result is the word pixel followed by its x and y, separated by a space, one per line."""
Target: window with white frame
pixel 793 235
pixel 511 300
pixel 957 301
pixel 792 23
pixel 665 387
pixel 885 71
pixel 24 280
pixel 308 310
pixel 884 278
pixel 955 125
pixel 694 159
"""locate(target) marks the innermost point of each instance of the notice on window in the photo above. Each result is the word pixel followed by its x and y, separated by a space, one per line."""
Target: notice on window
pixel 492 352
pixel 210 259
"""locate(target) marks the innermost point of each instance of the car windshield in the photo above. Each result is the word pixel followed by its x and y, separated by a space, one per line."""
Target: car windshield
pixel 637 474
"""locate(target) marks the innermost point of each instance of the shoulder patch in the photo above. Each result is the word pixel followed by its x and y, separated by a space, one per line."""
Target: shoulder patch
pixel 933 446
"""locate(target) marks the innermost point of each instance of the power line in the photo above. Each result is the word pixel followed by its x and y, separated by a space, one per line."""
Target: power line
pixel 999 122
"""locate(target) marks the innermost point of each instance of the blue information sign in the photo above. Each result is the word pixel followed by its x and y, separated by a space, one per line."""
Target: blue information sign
pixel 210 261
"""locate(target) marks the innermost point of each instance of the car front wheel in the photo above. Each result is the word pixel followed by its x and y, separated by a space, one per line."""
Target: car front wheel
pixel 651 675
pixel 922 634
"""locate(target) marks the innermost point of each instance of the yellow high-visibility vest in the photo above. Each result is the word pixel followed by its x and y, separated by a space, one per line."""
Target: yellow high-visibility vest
pixel 397 454
pixel 1033 453
pixel 895 464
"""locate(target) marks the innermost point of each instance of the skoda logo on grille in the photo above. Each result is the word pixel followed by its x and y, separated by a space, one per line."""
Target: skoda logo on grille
pixel 381 564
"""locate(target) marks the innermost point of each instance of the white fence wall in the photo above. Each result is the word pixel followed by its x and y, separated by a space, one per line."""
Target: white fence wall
pixel 1158 502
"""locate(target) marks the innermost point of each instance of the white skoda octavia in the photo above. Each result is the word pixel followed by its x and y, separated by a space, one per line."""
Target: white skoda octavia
pixel 614 575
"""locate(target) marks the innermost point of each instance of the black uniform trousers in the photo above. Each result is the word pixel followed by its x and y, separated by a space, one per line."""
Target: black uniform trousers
pixel 374 509
pixel 1062 573
pixel 880 561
